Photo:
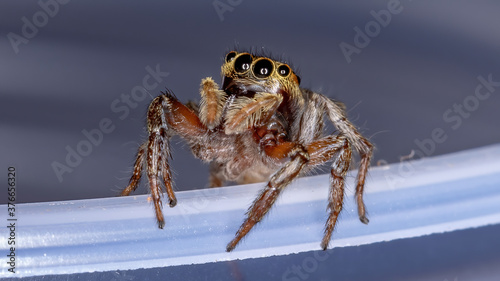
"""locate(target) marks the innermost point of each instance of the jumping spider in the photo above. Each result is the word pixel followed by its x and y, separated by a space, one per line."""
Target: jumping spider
pixel 260 126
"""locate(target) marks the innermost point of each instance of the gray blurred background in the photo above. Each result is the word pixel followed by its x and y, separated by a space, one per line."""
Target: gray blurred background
pixel 71 67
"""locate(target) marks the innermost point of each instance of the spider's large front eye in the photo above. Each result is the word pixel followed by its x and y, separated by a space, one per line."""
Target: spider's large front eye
pixel 242 63
pixel 230 56
pixel 263 68
pixel 284 70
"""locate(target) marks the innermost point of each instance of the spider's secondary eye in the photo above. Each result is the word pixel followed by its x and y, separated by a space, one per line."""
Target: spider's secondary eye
pixel 242 63
pixel 284 70
pixel 230 56
pixel 263 68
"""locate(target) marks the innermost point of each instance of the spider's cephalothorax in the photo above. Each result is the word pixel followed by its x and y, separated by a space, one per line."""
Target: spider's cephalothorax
pixel 260 126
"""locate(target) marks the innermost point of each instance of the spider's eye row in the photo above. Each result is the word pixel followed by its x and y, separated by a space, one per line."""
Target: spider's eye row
pixel 263 68
pixel 242 63
pixel 230 56
pixel 284 70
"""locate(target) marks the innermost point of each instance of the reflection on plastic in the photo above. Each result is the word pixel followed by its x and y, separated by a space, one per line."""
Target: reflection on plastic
pixel 407 199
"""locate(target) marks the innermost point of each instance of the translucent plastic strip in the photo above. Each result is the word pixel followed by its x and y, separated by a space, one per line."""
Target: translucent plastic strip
pixel 408 199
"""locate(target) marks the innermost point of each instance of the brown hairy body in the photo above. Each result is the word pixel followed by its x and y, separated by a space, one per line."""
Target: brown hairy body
pixel 259 126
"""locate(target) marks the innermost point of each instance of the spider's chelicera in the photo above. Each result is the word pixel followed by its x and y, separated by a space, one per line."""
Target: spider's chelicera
pixel 260 126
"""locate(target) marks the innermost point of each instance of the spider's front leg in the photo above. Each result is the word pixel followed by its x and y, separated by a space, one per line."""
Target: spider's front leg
pixel 359 143
pixel 299 157
pixel 321 151
pixel 166 116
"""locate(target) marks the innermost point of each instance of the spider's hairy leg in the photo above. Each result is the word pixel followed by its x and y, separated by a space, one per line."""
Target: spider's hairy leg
pixel 359 143
pixel 339 169
pixel 166 116
pixel 136 176
pixel 366 156
pixel 270 193
pixel 157 166
pixel 321 151
pixel 245 112
pixel 212 103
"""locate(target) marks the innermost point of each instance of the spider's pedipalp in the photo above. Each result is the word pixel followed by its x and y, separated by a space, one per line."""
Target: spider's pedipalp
pixel 212 103
pixel 245 113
